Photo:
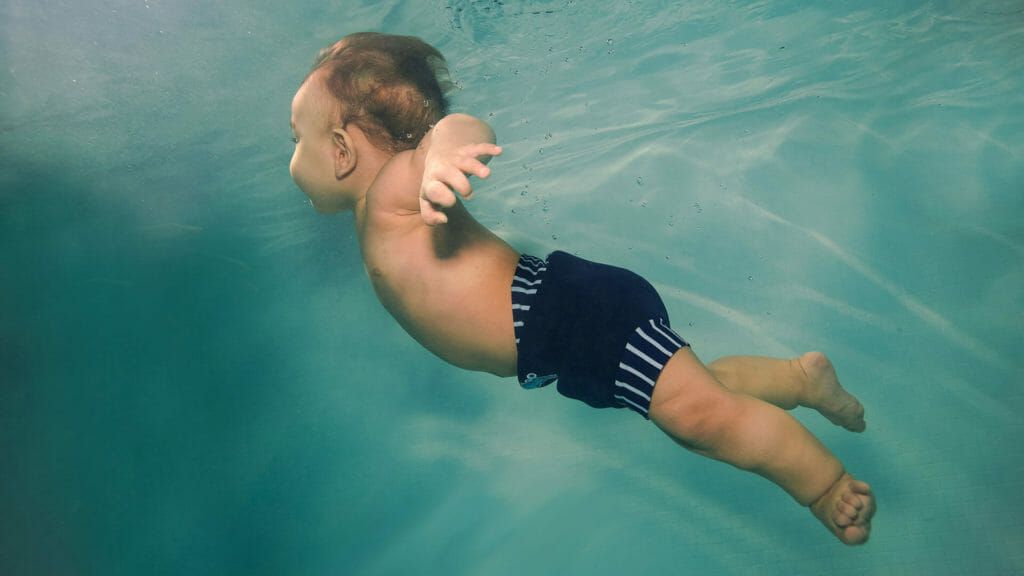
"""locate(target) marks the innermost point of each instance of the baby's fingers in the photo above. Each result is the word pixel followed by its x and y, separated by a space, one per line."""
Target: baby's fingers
pixel 431 215
pixel 482 149
pixel 454 179
pixel 473 159
pixel 437 193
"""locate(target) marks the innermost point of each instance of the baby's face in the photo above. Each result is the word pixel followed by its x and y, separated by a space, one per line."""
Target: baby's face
pixel 312 165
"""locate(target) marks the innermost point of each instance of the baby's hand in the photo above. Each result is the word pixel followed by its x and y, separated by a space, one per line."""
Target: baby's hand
pixel 445 172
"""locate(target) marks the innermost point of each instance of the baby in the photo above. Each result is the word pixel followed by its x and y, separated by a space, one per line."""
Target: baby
pixel 373 135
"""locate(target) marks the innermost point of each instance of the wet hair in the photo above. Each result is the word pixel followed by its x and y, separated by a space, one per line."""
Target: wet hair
pixel 392 87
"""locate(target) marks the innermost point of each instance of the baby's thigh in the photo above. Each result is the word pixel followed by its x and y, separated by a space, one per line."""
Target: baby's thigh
pixel 689 404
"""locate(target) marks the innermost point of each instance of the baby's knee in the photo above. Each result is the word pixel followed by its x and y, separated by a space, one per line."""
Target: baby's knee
pixel 699 417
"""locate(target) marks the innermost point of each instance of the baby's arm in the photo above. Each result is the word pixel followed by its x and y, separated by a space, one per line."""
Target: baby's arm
pixel 457 146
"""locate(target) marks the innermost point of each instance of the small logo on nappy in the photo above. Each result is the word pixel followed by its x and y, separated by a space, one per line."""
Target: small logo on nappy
pixel 533 381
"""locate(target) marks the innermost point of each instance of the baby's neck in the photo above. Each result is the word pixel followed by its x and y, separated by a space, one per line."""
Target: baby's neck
pixel 359 215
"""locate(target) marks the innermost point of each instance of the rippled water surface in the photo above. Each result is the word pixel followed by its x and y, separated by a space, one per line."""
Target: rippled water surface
pixel 195 377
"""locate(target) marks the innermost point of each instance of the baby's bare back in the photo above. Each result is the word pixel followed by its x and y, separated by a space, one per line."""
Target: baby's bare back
pixel 447 285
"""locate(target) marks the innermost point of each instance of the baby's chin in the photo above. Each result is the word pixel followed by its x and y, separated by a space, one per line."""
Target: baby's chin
pixel 325 207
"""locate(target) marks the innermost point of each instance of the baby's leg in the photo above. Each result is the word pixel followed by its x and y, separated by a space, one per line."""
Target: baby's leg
pixel 809 381
pixel 701 414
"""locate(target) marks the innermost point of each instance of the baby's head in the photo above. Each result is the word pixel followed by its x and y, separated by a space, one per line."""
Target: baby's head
pixel 391 87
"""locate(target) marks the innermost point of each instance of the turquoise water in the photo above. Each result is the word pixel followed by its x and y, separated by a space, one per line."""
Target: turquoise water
pixel 195 377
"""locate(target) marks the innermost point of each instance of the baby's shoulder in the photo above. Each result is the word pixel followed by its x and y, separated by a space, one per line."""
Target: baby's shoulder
pixel 395 190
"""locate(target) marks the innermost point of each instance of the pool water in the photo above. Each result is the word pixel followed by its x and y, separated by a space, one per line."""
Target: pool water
pixel 195 376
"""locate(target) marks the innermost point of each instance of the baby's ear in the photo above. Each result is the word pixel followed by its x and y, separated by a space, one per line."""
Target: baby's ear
pixel 344 152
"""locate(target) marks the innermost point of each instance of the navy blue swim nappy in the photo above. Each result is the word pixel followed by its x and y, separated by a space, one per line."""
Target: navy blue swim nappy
pixel 602 332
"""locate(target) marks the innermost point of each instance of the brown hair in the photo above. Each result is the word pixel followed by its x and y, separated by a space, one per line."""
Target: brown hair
pixel 392 87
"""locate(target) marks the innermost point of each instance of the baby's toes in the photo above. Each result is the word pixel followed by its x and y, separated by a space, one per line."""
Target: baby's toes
pixel 853 500
pixel 845 514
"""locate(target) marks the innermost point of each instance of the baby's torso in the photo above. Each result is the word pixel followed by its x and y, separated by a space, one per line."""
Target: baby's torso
pixel 448 286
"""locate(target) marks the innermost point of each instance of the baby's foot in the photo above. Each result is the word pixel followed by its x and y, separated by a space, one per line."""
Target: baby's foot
pixel 846 510
pixel 826 395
